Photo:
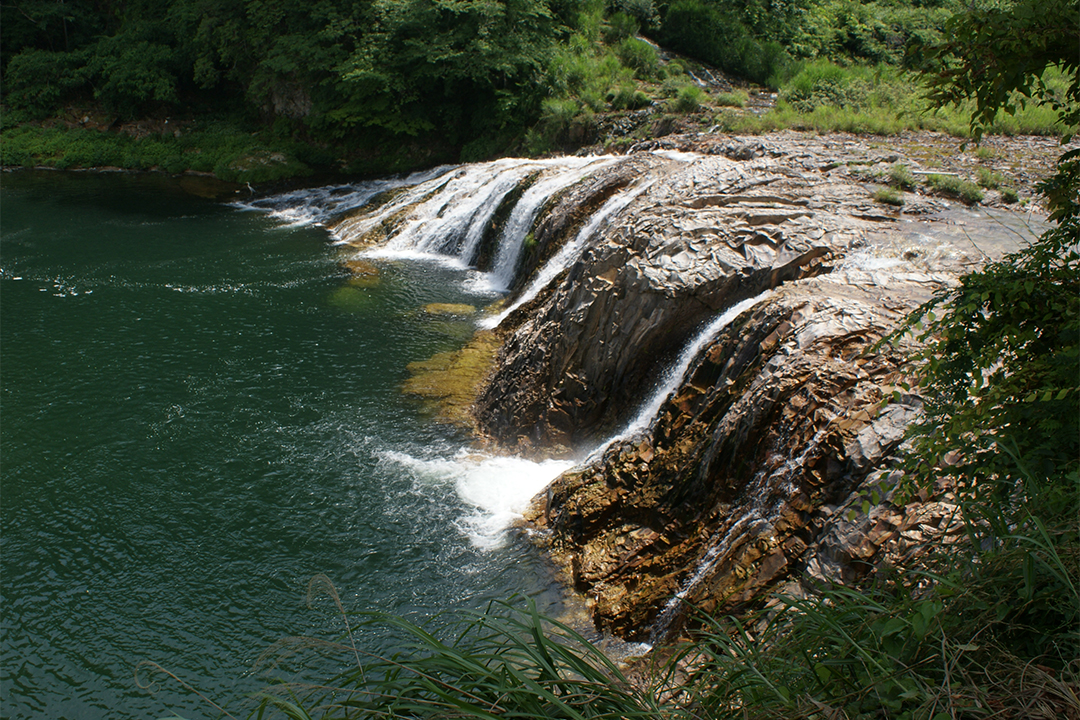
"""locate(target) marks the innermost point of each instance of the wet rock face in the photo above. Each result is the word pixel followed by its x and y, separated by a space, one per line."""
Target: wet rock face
pixel 780 416
pixel 756 469
pixel 704 235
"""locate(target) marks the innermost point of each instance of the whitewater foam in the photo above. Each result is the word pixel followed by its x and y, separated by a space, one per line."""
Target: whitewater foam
pixel 570 252
pixel 497 488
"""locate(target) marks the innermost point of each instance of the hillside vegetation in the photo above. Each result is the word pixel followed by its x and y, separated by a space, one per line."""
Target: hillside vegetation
pixel 262 90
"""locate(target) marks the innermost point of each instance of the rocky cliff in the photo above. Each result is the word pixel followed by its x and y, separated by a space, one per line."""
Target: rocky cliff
pixel 698 322
pixel 756 467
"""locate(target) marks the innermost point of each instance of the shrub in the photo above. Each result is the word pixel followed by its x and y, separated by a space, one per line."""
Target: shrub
pixel 988 178
pixel 689 99
pixel 901 177
pixel 640 56
pixel 738 99
pixel 628 97
pixel 620 27
pixel 38 81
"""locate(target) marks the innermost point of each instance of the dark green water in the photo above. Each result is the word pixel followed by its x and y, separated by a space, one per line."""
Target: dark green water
pixel 199 414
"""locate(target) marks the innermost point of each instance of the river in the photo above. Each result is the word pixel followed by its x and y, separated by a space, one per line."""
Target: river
pixel 200 413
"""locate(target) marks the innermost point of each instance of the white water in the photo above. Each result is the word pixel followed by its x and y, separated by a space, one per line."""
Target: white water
pixel 748 523
pixel 499 488
pixel 441 214
pixel 520 222
pixel 315 206
pixel 676 375
pixel 570 252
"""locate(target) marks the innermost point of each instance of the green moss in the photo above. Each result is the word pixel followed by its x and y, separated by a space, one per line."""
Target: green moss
pixel 956 187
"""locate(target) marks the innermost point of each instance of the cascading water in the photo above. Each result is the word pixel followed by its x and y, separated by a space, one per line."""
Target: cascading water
pixel 443 216
pixel 568 172
pixel 675 375
pixel 570 252
pixel 315 206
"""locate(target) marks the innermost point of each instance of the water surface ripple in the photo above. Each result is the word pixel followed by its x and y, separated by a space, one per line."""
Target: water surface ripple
pixel 198 411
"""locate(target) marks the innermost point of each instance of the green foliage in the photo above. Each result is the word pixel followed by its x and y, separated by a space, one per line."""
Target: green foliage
pixel 956 187
pixel 998 55
pixel 229 153
pixel 900 176
pixel 620 27
pixel 857 87
pixel 689 99
pixel 717 36
pixel 732 99
pixel 888 196
pixel 872 31
pixel 639 56
pixel 38 81
pixel 508 662
pixel 988 178
pixel 131 76
pixel 1000 369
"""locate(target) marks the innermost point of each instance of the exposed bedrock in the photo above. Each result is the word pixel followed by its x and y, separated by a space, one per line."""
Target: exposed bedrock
pixel 733 448
pixel 780 417
pixel 706 232
pixel 786 420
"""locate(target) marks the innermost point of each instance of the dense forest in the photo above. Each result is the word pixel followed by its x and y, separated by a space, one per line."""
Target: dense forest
pixel 377 85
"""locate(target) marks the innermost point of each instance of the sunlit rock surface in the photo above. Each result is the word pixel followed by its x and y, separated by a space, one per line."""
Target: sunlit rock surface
pixel 698 324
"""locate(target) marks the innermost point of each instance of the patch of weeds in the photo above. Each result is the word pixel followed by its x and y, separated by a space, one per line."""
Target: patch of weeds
pixel 689 99
pixel 888 196
pixel 989 179
pixel 957 187
pixel 1010 195
pixel 900 176
pixel 737 99
pixel 985 153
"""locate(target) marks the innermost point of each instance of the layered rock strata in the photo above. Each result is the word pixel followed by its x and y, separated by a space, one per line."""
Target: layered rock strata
pixel 756 469
pixel 767 463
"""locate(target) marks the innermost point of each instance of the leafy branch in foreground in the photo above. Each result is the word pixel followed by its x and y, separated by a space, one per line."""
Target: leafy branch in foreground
pixel 997 55
pixel 1000 368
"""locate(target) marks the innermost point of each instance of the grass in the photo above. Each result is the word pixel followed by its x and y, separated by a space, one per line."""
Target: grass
pixel 228 152
pixel 900 176
pixel 588 77
pixel 937 641
pixel 737 99
pixel 508 662
pixel 989 179
pixel 957 187
pixel 690 98
pixel 888 196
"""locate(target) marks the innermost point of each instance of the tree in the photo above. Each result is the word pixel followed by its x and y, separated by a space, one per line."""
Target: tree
pixel 1000 374
pixel 997 55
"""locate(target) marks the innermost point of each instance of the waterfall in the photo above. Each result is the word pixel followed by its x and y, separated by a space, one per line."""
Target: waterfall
pixel 750 522
pixel 569 171
pixel 570 252
pixel 315 206
pixel 676 375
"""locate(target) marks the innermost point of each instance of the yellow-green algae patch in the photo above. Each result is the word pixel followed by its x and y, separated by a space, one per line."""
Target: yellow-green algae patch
pixel 450 381
pixel 350 299
pixel 364 274
pixel 449 309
